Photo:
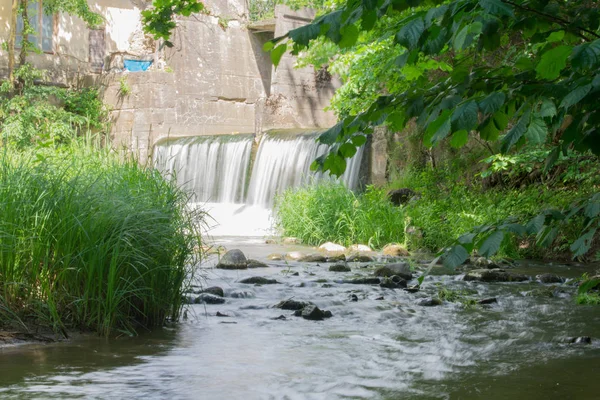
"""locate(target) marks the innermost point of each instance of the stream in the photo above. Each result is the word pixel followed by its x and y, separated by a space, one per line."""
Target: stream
pixel 372 348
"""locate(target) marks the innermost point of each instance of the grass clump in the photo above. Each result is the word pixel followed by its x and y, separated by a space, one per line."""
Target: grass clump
pixel 90 240
pixel 331 212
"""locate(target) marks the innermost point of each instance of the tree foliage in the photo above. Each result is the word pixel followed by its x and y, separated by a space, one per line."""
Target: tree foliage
pixel 159 20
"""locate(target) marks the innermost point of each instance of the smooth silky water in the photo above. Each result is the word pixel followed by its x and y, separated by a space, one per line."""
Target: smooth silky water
pixel 370 349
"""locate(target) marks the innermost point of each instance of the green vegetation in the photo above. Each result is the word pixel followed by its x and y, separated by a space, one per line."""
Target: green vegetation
pixel 330 212
pixel 124 89
pixel 90 239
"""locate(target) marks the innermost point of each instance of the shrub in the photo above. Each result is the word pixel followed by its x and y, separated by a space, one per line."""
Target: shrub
pixel 331 212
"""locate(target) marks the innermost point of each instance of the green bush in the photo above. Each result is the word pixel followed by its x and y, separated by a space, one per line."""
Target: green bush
pixel 331 212
pixel 90 240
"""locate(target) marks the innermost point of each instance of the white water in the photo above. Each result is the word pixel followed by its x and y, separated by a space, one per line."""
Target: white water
pixel 283 162
pixel 212 168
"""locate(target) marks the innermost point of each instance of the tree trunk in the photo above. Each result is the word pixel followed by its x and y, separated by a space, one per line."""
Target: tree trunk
pixel 25 41
pixel 12 38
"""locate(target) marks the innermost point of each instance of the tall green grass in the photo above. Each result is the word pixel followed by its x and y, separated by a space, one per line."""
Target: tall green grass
pixel 331 212
pixel 90 240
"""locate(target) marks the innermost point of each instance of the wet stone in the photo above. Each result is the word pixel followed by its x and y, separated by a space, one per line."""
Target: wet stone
pixel 549 278
pixel 494 275
pixel 313 258
pixel 395 250
pixel 294 256
pixel 313 313
pixel 258 280
pixel 336 258
pixel 329 246
pixel 401 269
pixel 292 305
pixel 222 315
pixel 580 340
pixel 214 290
pixel 489 300
pixel 280 318
pixel 482 262
pixel 256 264
pixel 233 259
pixel 275 257
pixel 363 281
pixel 430 302
pixel 339 268
pixel 413 289
pixel 393 282
pixel 242 294
pixel 359 258
pixel 353 297
pixel 206 298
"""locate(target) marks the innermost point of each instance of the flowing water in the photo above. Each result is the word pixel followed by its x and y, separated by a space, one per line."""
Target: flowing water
pixel 391 348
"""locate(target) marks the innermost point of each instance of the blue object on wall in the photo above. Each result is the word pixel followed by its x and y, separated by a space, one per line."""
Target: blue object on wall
pixel 137 65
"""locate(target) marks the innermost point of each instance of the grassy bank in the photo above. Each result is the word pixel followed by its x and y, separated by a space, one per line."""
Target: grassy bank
pixel 90 241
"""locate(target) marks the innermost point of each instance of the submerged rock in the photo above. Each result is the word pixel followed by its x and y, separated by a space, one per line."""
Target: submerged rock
pixel 292 305
pixel 549 278
pixel 330 246
pixel 395 250
pixel 357 257
pixel 214 290
pixel 413 289
pixel 494 275
pixel 393 282
pixel 580 340
pixel 336 258
pixel 430 302
pixel 233 259
pixel 242 294
pixel 313 313
pixel 276 257
pixel 353 297
pixel 401 269
pixel 258 280
pixel 363 281
pixel 482 262
pixel 489 300
pixel 291 240
pixel 280 318
pixel 294 256
pixel 359 248
pixel 256 264
pixel 339 268
pixel 313 258
pixel 206 298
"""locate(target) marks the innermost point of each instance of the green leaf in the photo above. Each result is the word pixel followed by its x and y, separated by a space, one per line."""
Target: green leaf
pixel 492 103
pixel 277 53
pixel 586 56
pixel 536 224
pixel 465 116
pixel 359 140
pixel 305 34
pixel 537 130
pixel 410 33
pixel 438 129
pixel 575 96
pixel 335 164
pixel 455 256
pixel 347 150
pixel 369 19
pixel 583 243
pixel 516 132
pixel 491 244
pixel 547 109
pixel 551 160
pixel 556 36
pixel 331 135
pixel 269 46
pixel 497 7
pixel 459 138
pixel 349 36
pixel 553 61
pixel 459 39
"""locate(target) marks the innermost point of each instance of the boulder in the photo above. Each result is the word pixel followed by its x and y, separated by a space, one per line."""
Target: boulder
pixel 357 257
pixel 242 294
pixel 360 248
pixel 336 257
pixel 294 256
pixel 233 259
pixel 580 340
pixel 292 305
pixel 313 258
pixel 401 269
pixel 314 313
pixel 276 257
pixel 363 281
pixel 489 300
pixel 332 247
pixel 393 282
pixel 395 250
pixel 339 268
pixel 430 302
pixel 214 290
pixel 258 280
pixel 549 278
pixel 291 240
pixel 482 262
pixel 207 298
pixel 402 196
pixel 494 275
pixel 256 264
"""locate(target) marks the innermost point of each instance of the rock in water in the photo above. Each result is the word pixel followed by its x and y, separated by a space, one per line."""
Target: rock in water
pixel 313 258
pixel 258 280
pixel 395 250
pixel 401 269
pixel 292 305
pixel 275 257
pixel 494 275
pixel 339 268
pixel 291 240
pixel 363 281
pixel 256 264
pixel 357 257
pixel 233 259
pixel 359 248
pixel 393 282
pixel 329 246
pixel 314 313
pixel 549 278
pixel 206 298
pixel 294 256
pixel 430 302
pixel 215 290
pixel 482 262
pixel 336 257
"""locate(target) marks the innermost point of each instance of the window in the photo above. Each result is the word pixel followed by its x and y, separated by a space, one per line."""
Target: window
pixel 41 23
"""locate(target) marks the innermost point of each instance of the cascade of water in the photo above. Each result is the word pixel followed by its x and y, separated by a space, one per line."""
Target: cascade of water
pixel 283 162
pixel 212 168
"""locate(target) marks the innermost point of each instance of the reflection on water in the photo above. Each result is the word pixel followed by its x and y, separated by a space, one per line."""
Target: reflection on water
pixel 371 349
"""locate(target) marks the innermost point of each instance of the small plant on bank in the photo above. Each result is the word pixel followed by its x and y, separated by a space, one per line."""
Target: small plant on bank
pixel 124 89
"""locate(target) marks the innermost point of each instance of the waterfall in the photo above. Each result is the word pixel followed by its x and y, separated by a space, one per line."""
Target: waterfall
pixel 283 161
pixel 212 168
